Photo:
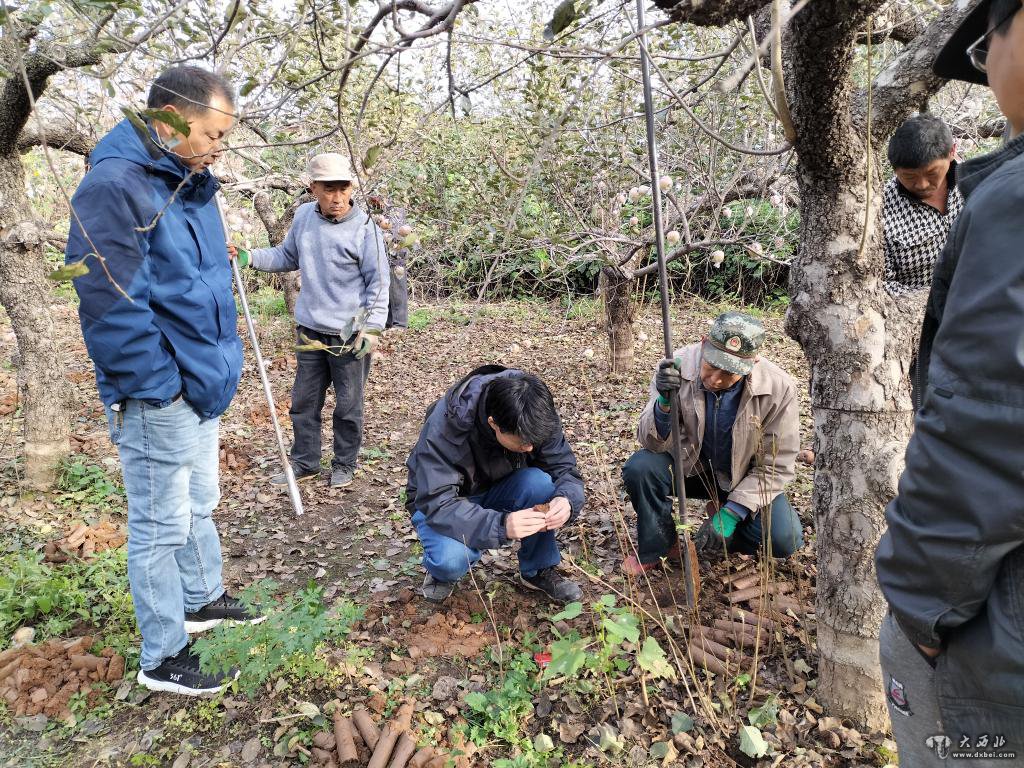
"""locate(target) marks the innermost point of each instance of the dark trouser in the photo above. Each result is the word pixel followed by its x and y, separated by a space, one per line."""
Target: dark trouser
pixel 648 479
pixel 917 728
pixel 317 370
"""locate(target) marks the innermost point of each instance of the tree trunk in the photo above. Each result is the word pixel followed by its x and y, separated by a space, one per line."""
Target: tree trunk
pixel 617 290
pixel 25 295
pixel 291 284
pixel 857 341
pixel 277 228
pixel 857 345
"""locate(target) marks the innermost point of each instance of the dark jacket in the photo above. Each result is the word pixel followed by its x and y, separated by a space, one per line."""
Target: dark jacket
pixel 951 564
pixel 458 456
pixel 161 236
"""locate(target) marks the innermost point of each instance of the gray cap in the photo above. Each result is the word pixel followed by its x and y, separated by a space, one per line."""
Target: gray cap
pixel 733 342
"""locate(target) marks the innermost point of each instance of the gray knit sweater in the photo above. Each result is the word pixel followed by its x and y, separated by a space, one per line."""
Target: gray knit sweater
pixel 345 271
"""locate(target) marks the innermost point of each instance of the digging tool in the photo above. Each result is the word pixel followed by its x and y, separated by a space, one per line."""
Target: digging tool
pixel 293 486
pixel 689 552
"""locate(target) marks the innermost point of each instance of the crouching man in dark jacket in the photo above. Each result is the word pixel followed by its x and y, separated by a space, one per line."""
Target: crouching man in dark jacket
pixel 490 451
pixel 951 564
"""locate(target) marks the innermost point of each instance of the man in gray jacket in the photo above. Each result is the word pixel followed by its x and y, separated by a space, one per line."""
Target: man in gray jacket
pixel 340 313
pixel 951 564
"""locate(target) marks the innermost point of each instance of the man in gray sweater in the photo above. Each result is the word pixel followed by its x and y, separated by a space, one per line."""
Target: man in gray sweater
pixel 339 316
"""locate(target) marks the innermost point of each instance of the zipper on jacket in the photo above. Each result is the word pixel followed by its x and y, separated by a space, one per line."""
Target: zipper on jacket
pixel 714 432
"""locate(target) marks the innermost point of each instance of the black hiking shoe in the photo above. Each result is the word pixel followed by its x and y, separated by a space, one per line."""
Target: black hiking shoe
pixel 553 584
pixel 282 478
pixel 436 591
pixel 181 674
pixel 224 608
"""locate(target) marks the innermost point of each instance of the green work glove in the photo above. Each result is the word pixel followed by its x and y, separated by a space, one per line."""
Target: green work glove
pixel 366 342
pixel 241 255
pixel 716 534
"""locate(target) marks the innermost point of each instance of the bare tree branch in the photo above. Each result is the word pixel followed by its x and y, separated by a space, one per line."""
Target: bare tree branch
pixel 66 136
pixel 990 129
pixel 710 13
pixel 46 60
pixel 900 21
pixel 908 82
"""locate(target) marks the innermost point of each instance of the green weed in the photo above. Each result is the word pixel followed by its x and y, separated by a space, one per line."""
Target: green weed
pixel 55 598
pixel 581 308
pixel 84 485
pixel 614 649
pixel 267 302
pixel 288 643
pixel 374 454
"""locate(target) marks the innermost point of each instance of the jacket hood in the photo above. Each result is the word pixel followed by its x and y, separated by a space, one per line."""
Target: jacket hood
pixel 127 142
pixel 463 399
pixel 973 172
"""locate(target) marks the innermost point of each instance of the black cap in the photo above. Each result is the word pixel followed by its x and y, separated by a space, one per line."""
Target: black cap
pixel 953 63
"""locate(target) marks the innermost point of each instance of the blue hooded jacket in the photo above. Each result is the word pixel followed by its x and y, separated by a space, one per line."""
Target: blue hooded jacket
pixel 159 233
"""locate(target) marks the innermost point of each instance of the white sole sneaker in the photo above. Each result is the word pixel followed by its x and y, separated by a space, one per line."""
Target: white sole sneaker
pixel 167 686
pixel 195 627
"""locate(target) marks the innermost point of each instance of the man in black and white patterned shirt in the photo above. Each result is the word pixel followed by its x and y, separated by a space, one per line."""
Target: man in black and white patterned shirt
pixel 921 202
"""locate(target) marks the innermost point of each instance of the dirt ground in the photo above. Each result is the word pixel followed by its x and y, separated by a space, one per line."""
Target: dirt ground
pixel 358 543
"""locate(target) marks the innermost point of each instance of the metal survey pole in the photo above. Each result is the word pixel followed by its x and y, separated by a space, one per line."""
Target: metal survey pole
pixel 293 486
pixel 687 550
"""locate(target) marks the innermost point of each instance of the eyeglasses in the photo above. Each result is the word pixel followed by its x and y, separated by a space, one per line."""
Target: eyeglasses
pixel 977 51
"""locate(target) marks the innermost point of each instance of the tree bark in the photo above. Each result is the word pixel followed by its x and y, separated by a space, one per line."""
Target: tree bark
pixel 616 288
pixel 277 227
pixel 24 291
pixel 25 295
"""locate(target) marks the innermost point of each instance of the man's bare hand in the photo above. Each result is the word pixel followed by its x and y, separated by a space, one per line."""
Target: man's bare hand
pixel 558 513
pixel 525 522
pixel 232 251
pixel 930 652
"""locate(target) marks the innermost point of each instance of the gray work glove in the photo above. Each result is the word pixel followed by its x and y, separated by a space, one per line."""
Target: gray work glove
pixel 668 380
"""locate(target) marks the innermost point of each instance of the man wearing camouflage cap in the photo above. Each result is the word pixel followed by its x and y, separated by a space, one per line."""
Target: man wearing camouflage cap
pixel 739 430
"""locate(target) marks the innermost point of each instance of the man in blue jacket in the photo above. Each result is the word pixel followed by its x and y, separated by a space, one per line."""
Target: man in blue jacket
pixel 159 321
pixel 490 453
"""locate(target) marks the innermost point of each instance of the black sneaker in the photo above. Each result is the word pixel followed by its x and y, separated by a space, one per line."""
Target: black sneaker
pixel 553 584
pixel 224 608
pixel 181 674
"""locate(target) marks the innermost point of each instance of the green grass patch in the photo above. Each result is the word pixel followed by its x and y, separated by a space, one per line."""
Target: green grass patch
pixel 267 302
pixel 420 319
pixel 54 598
pixel 581 308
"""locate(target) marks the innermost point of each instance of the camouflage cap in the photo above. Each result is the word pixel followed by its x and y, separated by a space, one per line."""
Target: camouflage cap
pixel 733 342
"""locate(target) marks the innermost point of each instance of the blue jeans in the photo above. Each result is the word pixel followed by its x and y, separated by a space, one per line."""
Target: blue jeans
pixel 447 559
pixel 170 462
